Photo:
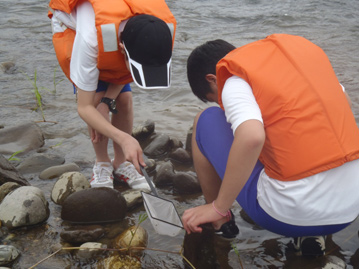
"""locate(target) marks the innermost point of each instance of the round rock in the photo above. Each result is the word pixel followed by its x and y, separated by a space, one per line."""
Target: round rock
pixel 8 254
pixel 94 205
pixel 67 184
pixel 23 207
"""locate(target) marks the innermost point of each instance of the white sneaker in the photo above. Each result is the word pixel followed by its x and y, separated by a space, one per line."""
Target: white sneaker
pixel 102 175
pixel 127 172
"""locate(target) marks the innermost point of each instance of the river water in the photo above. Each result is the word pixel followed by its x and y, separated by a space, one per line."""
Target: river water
pixel 25 39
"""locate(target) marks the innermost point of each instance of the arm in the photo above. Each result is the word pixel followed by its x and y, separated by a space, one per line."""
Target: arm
pixel 88 112
pixel 247 144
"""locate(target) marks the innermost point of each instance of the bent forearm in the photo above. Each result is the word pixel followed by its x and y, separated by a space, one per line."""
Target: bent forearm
pixel 247 145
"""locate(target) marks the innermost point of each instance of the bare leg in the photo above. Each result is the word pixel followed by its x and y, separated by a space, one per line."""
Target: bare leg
pixel 101 146
pixel 123 120
pixel 208 178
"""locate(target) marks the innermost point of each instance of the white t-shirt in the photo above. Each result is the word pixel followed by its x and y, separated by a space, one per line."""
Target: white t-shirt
pixel 329 197
pixel 83 67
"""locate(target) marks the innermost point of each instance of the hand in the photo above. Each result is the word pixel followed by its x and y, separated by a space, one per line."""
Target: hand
pixel 132 151
pixel 104 111
pixel 192 218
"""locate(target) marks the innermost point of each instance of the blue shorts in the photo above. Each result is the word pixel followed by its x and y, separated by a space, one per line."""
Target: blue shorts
pixel 102 86
pixel 214 138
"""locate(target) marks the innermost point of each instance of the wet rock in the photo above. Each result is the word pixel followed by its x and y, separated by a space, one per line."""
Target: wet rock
pixel 23 207
pixel 133 198
pixel 123 262
pixel 58 170
pixel 181 155
pixel 189 140
pixel 67 184
pixel 6 188
pixel 8 67
pixel 90 249
pixel 8 254
pixel 23 138
pixel 8 173
pixel 82 234
pixel 185 183
pixel 165 174
pixel 94 205
pixel 133 237
pixel 38 162
pixel 144 130
pixel 176 143
pixel 150 165
pixel 159 146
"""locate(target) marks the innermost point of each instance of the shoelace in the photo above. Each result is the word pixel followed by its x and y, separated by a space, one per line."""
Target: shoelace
pixel 105 171
pixel 129 172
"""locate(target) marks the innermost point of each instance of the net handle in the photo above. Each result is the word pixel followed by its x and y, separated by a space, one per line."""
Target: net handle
pixel 149 181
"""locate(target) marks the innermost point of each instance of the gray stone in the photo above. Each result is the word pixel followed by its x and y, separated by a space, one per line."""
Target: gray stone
pixel 94 205
pixel 23 207
pixel 181 155
pixel 38 162
pixel 8 67
pixel 165 174
pixel 8 254
pixel 186 183
pixel 189 140
pixel 8 173
pixel 176 143
pixel 90 249
pixel 6 188
pixel 159 146
pixel 133 198
pixel 67 184
pixel 23 138
pixel 144 130
pixel 82 234
pixel 58 170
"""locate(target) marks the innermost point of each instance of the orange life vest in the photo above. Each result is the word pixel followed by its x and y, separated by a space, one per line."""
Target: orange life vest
pixel 308 122
pixel 108 16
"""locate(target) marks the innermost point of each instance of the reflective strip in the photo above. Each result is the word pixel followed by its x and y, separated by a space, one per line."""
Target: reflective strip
pixel 109 37
pixel 172 28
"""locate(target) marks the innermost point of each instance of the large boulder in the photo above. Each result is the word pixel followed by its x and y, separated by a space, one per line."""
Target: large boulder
pixel 95 205
pixel 39 162
pixel 24 206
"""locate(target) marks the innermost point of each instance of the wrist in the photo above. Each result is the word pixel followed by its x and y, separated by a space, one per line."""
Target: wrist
pixel 223 213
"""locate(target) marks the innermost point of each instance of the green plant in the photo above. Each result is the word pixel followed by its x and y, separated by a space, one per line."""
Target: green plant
pixel 37 94
pixel 237 253
pixel 141 218
pixel 13 158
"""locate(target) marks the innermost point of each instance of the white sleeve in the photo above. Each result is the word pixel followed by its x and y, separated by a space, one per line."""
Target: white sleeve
pixel 83 67
pixel 239 102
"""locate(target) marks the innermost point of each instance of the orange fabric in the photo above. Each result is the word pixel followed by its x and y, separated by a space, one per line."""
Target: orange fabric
pixel 308 122
pixel 111 64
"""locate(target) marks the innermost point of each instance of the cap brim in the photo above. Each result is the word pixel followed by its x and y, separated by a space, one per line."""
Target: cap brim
pixel 150 77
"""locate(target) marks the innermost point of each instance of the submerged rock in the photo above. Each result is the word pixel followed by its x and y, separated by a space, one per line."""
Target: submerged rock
pixel 8 173
pixel 22 138
pixel 39 162
pixel 160 145
pixel 123 262
pixel 23 207
pixel 186 183
pixel 94 205
pixel 6 188
pixel 165 174
pixel 67 184
pixel 90 249
pixel 58 170
pixel 144 130
pixel 8 254
pixel 135 236
pixel 82 234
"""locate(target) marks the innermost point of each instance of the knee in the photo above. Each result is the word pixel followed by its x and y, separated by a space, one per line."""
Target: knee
pixel 124 102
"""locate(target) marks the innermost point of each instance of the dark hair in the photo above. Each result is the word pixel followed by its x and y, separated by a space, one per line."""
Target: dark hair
pixel 203 61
